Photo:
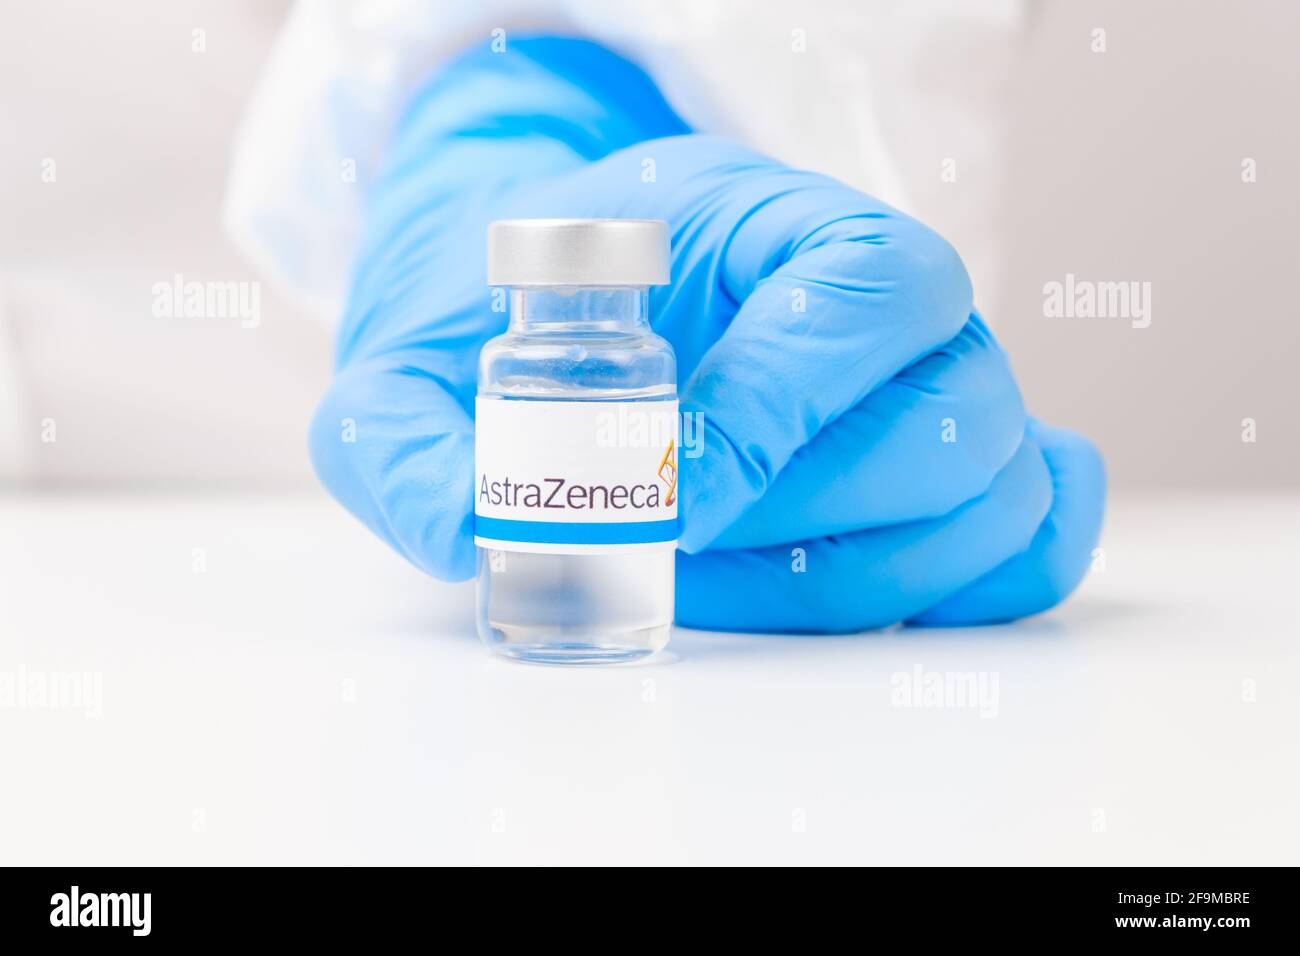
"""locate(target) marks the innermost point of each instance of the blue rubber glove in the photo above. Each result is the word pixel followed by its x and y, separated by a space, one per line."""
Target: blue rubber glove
pixel 828 340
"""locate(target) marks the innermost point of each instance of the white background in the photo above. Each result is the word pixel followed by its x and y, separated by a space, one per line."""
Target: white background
pixel 227 734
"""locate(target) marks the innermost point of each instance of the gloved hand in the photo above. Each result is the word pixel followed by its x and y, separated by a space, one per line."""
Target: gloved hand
pixel 867 459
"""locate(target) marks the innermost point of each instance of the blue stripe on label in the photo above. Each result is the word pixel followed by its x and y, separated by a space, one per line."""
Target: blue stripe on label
pixel 568 532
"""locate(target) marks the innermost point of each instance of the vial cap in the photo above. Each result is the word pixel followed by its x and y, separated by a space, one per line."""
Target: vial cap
pixel 578 252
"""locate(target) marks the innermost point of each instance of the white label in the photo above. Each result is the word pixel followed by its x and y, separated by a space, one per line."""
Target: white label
pixel 575 477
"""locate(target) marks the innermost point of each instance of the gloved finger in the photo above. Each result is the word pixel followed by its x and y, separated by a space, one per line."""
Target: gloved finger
pixel 395 446
pixel 866 579
pixel 775 378
pixel 833 294
pixel 857 300
pixel 1059 555
pixel 926 441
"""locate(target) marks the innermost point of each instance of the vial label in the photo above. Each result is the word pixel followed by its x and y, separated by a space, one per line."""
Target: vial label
pixel 556 477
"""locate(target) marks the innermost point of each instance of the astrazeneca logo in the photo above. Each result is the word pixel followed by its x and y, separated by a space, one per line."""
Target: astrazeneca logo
pixel 102 909
pixel 562 494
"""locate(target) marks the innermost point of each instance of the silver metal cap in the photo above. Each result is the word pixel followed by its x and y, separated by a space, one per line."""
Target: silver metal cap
pixel 569 252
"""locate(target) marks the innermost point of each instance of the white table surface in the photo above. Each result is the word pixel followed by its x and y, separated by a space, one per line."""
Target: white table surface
pixel 307 697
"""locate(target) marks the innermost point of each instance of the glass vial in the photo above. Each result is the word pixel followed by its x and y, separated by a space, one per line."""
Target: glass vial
pixel 576 446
